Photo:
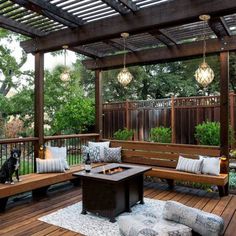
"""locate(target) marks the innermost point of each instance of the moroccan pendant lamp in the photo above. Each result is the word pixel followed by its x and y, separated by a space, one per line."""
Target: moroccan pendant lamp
pixel 124 76
pixel 204 74
pixel 65 76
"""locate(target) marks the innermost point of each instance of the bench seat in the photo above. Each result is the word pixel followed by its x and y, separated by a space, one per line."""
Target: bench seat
pixel 37 183
pixel 163 159
pixel 168 173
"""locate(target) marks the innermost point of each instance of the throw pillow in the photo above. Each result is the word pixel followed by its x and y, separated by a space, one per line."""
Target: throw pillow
pixel 189 165
pixel 94 153
pixel 57 153
pixel 201 222
pixel 101 145
pixel 211 165
pixel 112 154
pixel 49 165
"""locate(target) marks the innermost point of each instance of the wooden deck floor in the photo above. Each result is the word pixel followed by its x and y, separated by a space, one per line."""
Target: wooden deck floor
pixel 22 213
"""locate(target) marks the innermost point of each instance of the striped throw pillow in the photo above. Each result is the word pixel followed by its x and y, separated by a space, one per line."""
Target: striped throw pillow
pixel 49 165
pixel 189 165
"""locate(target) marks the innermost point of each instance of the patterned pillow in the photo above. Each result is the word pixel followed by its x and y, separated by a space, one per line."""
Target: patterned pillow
pixel 57 153
pixel 201 222
pixel 49 165
pixel 112 154
pixel 94 153
pixel 211 165
pixel 189 165
pixel 101 145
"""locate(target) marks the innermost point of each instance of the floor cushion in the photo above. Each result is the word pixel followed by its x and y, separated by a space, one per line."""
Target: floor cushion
pixel 150 225
pixel 204 223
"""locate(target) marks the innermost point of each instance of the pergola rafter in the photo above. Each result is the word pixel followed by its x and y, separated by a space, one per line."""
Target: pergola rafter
pixel 51 11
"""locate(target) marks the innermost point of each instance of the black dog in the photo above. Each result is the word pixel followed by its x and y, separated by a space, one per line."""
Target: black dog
pixel 10 166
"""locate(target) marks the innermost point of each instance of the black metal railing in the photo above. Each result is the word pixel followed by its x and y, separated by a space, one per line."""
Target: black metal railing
pixel 73 144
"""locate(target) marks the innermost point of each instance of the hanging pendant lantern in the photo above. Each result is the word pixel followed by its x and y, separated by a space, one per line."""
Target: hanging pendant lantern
pixel 65 75
pixel 204 74
pixel 124 76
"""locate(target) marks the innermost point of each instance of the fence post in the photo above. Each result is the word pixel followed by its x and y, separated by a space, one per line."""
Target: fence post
pixel 127 113
pixel 231 97
pixel 173 136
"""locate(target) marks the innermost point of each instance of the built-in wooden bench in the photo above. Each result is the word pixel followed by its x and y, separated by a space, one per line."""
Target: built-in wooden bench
pixel 37 183
pixel 164 157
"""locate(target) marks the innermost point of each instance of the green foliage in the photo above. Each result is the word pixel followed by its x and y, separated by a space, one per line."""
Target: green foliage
pixel 75 116
pixel 160 134
pixel 208 133
pixel 232 180
pixel 124 134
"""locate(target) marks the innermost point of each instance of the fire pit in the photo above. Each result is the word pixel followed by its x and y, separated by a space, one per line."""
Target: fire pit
pixel 112 189
pixel 114 170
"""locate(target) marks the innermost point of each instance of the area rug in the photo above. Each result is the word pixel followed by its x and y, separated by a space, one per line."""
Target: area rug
pixel 92 225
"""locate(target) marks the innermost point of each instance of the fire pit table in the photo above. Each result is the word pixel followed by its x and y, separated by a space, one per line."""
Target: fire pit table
pixel 112 189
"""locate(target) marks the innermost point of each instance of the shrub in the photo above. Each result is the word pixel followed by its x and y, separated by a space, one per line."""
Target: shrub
pixel 160 134
pixel 124 134
pixel 208 133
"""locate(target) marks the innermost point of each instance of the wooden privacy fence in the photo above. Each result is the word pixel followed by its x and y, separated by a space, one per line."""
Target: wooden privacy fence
pixel 181 114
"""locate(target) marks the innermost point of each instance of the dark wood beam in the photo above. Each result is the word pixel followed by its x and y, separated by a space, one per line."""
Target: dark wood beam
pixel 224 115
pixel 163 54
pixel 39 102
pixel 219 27
pixel 163 36
pixel 19 27
pixel 130 4
pixel 116 6
pixel 86 51
pixel 98 102
pixel 119 46
pixel 51 11
pixel 163 15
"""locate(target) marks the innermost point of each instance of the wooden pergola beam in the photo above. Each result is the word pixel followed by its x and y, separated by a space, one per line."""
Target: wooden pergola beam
pixel 19 27
pixel 163 15
pixel 163 36
pixel 86 51
pixel 116 6
pixel 51 11
pixel 219 27
pixel 119 46
pixel 130 4
pixel 159 55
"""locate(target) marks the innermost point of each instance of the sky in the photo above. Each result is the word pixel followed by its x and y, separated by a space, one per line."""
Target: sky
pixel 49 61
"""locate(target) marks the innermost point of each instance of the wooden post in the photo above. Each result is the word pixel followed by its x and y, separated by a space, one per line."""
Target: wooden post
pixel 39 103
pixel 173 130
pixel 127 113
pixel 98 102
pixel 231 97
pixel 224 107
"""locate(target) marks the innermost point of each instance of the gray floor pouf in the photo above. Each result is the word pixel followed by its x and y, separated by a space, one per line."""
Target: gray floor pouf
pixel 150 225
pixel 206 224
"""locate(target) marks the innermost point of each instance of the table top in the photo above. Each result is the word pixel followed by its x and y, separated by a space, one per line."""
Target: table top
pixel 98 172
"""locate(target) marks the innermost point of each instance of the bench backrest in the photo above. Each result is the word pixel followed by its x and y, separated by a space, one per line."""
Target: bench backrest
pixel 159 154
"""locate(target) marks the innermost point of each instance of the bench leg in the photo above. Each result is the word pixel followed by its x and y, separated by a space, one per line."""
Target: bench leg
pixel 40 192
pixel 3 203
pixel 223 190
pixel 170 183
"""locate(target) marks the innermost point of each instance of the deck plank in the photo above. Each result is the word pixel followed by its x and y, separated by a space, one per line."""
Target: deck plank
pixel 29 211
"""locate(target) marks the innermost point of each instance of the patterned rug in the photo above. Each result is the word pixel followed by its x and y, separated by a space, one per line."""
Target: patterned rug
pixel 92 225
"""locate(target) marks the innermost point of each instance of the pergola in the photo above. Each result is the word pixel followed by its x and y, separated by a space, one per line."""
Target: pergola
pixel 160 31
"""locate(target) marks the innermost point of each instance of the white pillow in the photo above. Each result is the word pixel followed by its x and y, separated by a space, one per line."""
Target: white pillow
pixel 57 153
pixel 189 165
pixel 49 165
pixel 101 145
pixel 211 165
